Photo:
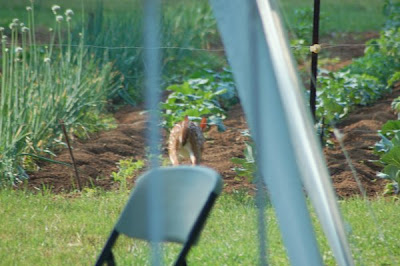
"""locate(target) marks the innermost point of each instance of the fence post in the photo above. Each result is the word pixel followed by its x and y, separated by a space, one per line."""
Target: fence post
pixel 314 59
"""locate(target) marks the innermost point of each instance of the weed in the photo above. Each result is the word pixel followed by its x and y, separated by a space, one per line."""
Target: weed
pixel 126 170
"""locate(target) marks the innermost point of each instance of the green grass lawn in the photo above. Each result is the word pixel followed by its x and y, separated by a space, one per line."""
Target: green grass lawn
pixel 71 230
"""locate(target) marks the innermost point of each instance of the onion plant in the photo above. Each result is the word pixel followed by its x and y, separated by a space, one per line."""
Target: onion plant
pixel 41 85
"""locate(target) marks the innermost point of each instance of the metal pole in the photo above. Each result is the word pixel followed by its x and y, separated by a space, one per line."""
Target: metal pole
pixel 152 19
pixel 257 135
pixel 314 58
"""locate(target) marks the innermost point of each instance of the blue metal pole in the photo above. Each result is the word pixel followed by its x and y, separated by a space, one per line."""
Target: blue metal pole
pixel 152 84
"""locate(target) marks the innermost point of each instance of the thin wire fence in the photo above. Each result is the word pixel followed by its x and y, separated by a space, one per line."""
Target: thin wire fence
pixel 123 47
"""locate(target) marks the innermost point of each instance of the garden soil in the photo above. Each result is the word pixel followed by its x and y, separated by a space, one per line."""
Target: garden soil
pixel 97 156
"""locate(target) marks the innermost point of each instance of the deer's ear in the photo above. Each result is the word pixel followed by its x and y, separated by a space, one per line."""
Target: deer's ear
pixel 203 123
pixel 186 119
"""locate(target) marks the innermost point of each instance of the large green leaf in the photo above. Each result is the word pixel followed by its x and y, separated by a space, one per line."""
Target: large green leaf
pixel 390 126
pixel 391 172
pixel 384 145
pixel 216 120
pixel 197 82
pixel 392 157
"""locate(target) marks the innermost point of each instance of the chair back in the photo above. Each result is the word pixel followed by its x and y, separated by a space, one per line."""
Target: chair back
pixel 182 195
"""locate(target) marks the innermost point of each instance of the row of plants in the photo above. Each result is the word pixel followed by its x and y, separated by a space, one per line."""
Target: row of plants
pixel 205 93
pixel 386 51
pixel 363 82
pixel 366 79
pixel 188 33
pixel 42 86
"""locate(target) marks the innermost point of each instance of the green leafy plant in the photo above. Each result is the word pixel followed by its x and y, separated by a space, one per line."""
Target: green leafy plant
pixel 126 170
pixel 194 98
pixel 382 59
pixel 339 92
pixel 188 30
pixel 391 170
pixel 391 9
pixel 388 148
pixel 218 79
pixel 365 80
pixel 302 25
pixel 396 105
pixel 94 122
pixel 247 165
pixel 300 32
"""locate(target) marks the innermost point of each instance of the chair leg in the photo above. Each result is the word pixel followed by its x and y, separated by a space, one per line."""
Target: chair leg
pixel 110 260
pixel 181 262
pixel 195 232
pixel 106 254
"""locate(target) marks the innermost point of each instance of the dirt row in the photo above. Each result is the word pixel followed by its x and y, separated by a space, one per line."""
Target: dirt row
pixel 97 156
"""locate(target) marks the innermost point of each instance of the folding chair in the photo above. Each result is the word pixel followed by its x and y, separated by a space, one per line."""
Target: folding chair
pixel 186 197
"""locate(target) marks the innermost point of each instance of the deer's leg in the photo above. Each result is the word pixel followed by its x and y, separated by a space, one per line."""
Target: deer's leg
pixel 174 159
pixel 173 152
pixel 195 158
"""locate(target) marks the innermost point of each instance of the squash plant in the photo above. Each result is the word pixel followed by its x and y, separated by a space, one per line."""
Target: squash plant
pixel 366 79
pixel 340 91
pixel 194 98
pixel 389 150
pixel 382 59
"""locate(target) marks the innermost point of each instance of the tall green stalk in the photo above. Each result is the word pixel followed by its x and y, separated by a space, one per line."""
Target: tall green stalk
pixel 37 90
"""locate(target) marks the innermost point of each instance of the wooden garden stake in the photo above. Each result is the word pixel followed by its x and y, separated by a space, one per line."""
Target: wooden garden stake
pixel 78 180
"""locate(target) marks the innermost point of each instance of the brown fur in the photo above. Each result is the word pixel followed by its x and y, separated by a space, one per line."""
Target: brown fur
pixel 186 140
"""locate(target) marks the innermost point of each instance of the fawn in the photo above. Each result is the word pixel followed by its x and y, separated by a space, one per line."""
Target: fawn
pixel 186 140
